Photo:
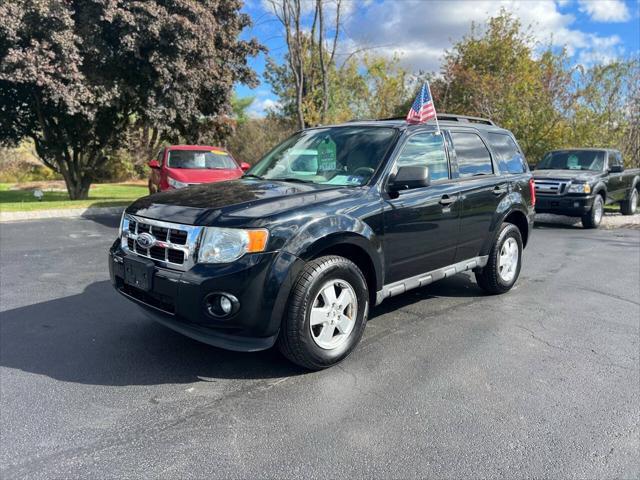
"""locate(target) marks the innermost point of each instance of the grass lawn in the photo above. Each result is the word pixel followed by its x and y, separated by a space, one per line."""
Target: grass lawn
pixel 100 195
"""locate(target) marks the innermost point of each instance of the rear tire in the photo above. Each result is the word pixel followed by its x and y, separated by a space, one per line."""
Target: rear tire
pixel 630 206
pixel 505 260
pixel 593 218
pixel 327 313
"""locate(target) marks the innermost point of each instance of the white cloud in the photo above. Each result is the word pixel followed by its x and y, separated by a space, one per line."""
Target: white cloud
pixel 420 32
pixel 605 10
pixel 262 104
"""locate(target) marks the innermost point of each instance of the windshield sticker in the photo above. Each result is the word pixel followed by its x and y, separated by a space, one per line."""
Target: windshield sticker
pixel 327 155
pixel 218 152
pixel 573 163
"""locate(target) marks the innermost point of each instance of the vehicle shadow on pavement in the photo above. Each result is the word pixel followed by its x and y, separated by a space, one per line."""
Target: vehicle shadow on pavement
pixel 99 338
pixel 459 286
pixel 559 226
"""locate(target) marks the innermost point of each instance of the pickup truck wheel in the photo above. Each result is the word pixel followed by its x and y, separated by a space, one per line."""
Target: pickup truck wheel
pixel 629 207
pixel 593 218
pixel 503 267
pixel 327 313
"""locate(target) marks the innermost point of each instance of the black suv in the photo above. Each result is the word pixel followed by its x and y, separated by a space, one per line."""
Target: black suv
pixel 331 221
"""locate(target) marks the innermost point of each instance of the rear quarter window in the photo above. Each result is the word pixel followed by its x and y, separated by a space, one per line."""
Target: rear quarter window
pixel 508 155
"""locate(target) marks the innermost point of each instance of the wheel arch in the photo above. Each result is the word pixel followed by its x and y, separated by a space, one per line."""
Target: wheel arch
pixel 519 219
pixel 601 189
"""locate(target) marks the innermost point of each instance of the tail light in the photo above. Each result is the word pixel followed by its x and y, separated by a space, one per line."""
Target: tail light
pixel 532 189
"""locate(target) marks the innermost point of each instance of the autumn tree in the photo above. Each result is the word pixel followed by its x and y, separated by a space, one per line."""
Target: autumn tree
pixel 311 48
pixel 75 74
pixel 500 72
pixel 493 73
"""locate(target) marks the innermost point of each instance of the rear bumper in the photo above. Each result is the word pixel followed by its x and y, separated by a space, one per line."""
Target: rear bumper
pixel 572 206
pixel 260 282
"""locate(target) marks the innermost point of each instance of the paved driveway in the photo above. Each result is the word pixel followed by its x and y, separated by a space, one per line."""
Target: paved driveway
pixel 541 382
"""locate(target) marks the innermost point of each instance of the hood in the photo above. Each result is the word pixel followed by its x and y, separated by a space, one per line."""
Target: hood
pixel 576 175
pixel 203 175
pixel 247 198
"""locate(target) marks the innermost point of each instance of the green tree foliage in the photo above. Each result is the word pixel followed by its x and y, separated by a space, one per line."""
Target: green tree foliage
pixel 75 74
pixel 239 105
pixel 361 87
pixel 499 72
pixel 255 137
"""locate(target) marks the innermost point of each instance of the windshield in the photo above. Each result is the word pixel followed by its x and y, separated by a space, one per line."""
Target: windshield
pixel 572 160
pixel 200 159
pixel 342 156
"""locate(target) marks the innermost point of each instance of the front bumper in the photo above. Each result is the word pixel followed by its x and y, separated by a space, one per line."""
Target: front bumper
pixel 570 205
pixel 261 283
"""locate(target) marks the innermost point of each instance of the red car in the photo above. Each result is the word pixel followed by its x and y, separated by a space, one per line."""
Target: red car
pixel 179 166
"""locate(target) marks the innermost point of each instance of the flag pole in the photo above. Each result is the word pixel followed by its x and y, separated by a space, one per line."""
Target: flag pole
pixel 434 108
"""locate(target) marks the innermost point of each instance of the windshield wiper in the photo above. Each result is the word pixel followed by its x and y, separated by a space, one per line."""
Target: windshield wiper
pixel 252 175
pixel 292 179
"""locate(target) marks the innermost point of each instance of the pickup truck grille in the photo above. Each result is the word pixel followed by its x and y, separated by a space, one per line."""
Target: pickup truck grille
pixel 172 245
pixel 551 187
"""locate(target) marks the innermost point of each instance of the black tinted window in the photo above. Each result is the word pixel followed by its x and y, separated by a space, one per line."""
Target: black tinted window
pixel 507 153
pixel 426 149
pixel 473 157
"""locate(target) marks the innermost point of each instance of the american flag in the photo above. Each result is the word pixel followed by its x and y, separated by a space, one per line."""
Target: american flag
pixel 422 109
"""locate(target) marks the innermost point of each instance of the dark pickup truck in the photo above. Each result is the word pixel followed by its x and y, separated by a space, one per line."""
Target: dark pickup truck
pixel 580 182
pixel 331 221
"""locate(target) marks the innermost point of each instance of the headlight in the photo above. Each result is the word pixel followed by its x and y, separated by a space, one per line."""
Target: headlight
pixel 224 245
pixel 176 184
pixel 579 188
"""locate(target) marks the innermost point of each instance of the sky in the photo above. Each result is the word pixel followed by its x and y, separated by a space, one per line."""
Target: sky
pixel 420 31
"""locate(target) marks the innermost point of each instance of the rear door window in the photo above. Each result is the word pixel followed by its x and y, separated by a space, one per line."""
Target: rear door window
pixel 426 150
pixel 472 155
pixel 510 159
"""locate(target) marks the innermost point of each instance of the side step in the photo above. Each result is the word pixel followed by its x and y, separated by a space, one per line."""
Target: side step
pixel 401 286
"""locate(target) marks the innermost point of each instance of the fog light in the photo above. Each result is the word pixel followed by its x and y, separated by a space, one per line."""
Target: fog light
pixel 221 305
pixel 225 304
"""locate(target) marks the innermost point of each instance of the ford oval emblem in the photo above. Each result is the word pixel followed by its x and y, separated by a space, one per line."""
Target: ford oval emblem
pixel 146 240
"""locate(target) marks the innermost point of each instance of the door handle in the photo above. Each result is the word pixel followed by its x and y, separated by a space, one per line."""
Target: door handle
pixel 498 190
pixel 447 200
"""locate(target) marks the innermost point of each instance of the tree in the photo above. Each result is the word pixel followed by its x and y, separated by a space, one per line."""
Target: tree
pixel 307 52
pixel 365 86
pixel 239 105
pixel 499 72
pixel 606 112
pixel 492 73
pixel 75 74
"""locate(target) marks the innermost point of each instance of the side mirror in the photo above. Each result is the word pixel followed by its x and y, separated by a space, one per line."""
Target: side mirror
pixel 616 169
pixel 154 164
pixel 410 177
pixel 245 166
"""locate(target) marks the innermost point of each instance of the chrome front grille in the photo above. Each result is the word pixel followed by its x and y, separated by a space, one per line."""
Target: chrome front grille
pixel 551 187
pixel 172 245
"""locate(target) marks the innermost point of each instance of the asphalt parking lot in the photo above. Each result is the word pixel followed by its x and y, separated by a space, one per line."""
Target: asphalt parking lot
pixel 541 382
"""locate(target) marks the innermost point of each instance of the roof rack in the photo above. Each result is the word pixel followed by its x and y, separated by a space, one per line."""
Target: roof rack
pixel 450 117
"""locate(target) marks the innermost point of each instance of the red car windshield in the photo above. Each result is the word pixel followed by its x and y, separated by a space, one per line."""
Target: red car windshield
pixel 200 159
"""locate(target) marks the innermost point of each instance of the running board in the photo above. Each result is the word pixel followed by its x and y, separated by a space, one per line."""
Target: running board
pixel 401 286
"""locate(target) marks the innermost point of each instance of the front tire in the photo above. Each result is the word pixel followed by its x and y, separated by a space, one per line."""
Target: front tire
pixel 593 218
pixel 629 206
pixel 327 313
pixel 505 259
